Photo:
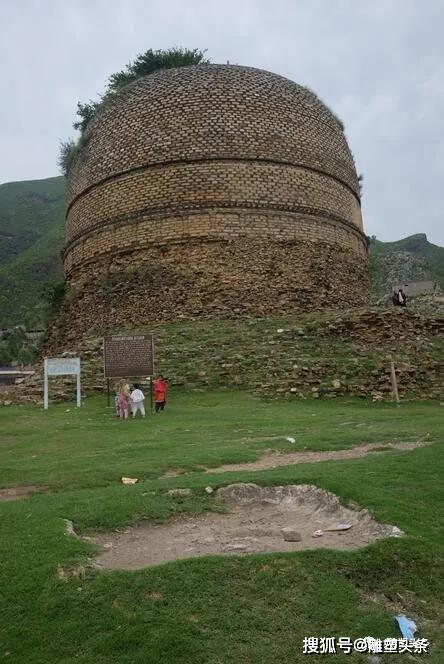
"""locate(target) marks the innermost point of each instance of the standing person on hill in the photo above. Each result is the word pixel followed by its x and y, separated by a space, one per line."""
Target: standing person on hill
pixel 402 298
pixel 124 399
pixel 137 399
pixel 160 393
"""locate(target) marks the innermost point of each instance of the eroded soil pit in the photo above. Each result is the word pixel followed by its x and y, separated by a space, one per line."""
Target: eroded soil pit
pixel 254 524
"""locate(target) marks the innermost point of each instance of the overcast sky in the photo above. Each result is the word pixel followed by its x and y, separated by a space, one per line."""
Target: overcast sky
pixel 379 64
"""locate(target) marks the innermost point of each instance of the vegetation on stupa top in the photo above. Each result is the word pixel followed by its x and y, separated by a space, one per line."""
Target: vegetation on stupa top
pixel 145 64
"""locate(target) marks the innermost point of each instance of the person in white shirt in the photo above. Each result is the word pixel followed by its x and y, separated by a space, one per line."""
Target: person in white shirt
pixel 137 399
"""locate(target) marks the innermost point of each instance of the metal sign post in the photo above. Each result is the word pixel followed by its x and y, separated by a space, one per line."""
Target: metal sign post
pixel 61 366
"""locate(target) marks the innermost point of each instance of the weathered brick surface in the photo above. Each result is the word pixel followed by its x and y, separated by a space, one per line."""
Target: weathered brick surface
pixel 193 278
pixel 234 183
pixel 145 231
pixel 213 112
pixel 205 186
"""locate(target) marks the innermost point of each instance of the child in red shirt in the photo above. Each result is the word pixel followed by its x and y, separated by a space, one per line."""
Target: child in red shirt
pixel 160 392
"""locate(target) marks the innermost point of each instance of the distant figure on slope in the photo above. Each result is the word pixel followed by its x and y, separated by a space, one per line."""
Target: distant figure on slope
pixel 395 298
pixel 402 298
pixel 124 399
pixel 160 393
pixel 137 399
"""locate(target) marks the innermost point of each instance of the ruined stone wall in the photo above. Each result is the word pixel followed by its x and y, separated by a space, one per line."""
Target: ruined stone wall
pixel 222 157
pixel 321 355
pixel 192 278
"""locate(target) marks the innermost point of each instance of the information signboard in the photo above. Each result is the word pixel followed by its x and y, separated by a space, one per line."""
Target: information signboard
pixel 61 366
pixel 130 355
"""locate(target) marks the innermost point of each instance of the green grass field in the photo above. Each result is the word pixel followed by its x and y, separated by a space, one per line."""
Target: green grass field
pixel 216 609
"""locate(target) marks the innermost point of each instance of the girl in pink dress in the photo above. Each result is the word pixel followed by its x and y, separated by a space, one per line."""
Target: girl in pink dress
pixel 124 399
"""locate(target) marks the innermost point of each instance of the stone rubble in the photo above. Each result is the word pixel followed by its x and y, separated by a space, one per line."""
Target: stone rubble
pixel 333 354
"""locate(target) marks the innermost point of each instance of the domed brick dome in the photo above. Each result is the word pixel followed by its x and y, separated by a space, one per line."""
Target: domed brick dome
pixel 223 169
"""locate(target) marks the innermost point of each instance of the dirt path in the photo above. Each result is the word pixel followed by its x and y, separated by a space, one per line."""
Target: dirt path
pixel 276 459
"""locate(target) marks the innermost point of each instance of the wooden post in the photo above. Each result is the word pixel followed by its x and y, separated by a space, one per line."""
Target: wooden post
pixel 45 385
pixel 79 391
pixel 394 381
pixel 108 390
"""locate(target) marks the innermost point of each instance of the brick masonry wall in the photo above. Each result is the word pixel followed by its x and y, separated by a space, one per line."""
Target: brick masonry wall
pixel 196 278
pixel 212 112
pixel 208 185
pixel 87 255
pixel 187 171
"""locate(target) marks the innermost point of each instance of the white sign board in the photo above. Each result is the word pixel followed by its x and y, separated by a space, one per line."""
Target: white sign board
pixel 61 366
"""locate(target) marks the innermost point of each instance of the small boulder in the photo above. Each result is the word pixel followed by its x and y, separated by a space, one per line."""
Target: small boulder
pixel 69 528
pixel 339 527
pixel 129 480
pixel 236 547
pixel 290 534
pixel 179 493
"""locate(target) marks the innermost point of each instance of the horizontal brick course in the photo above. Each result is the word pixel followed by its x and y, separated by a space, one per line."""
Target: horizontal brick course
pixel 210 185
pixel 116 239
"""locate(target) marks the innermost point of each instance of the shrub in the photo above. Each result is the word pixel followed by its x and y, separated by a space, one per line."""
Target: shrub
pixel 67 153
pixel 144 65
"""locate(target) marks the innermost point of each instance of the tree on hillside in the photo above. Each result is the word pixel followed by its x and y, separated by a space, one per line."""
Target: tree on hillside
pixel 145 64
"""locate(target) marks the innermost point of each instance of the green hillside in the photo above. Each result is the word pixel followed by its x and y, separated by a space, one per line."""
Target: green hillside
pixel 413 258
pixel 31 237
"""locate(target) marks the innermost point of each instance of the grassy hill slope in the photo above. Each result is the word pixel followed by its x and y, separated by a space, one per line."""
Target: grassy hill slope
pixel 413 258
pixel 31 236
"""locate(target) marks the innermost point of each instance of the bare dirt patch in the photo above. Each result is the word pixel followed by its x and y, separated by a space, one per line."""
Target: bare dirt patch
pixel 174 472
pixel 276 459
pixel 253 524
pixel 17 492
